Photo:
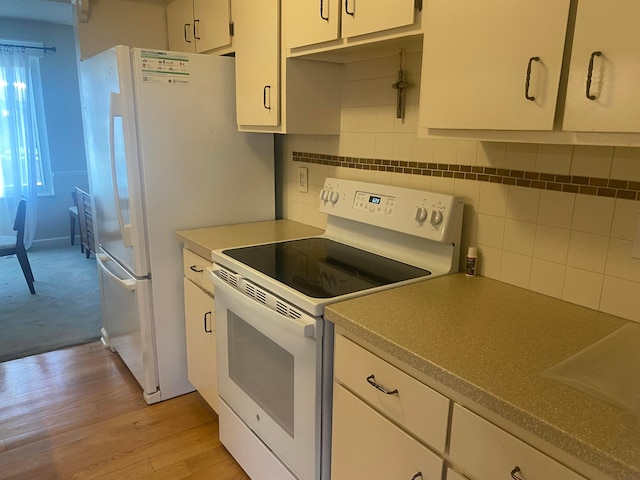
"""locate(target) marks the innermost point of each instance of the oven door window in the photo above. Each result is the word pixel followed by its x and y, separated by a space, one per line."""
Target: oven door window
pixel 263 370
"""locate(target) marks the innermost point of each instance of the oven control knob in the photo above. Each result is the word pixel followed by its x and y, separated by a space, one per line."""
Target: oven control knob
pixel 324 195
pixel 421 214
pixel 436 217
pixel 334 196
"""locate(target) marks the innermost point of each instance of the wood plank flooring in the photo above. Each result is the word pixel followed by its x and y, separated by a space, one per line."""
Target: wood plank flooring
pixel 78 414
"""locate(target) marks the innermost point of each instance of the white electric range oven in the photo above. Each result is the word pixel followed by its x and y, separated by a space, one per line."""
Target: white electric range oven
pixel 274 349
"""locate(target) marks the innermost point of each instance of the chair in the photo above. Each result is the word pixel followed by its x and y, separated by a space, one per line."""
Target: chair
pixel 15 246
pixel 73 217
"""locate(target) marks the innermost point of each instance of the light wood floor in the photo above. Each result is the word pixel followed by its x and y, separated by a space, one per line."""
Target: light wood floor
pixel 78 414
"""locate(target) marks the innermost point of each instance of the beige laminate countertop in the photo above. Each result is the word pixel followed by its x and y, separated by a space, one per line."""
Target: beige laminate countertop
pixel 487 343
pixel 204 240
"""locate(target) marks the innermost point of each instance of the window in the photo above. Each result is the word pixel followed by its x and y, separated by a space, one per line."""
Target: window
pixel 23 130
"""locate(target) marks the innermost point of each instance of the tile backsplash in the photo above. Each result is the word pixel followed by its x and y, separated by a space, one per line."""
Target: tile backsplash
pixel 555 219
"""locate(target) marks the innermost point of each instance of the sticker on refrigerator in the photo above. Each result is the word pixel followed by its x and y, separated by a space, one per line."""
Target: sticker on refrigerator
pixel 167 68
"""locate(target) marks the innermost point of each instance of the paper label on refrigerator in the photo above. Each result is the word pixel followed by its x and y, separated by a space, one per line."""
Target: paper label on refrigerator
pixel 168 68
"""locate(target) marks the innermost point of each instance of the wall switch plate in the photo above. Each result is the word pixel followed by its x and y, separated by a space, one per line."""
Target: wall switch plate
pixel 303 180
pixel 635 247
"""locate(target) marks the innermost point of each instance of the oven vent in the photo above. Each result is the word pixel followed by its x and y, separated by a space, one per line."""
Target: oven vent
pixel 228 277
pixel 286 310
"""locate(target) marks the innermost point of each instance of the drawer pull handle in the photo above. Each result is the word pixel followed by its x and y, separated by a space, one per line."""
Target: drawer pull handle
pixel 515 472
pixel 417 475
pixel 590 96
pixel 207 329
pixel 372 381
pixel 194 268
pixel 528 79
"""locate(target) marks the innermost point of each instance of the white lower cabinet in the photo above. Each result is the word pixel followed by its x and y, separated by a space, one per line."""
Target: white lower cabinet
pixel 367 445
pixel 200 329
pixel 487 452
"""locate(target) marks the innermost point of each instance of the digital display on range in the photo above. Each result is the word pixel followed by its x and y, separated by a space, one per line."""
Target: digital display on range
pixel 374 199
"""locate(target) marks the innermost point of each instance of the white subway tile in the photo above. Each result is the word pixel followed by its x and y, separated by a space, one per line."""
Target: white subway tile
pixel 445 151
pixel 442 185
pixel 351 93
pixel 522 203
pixel 467 152
pixel 582 287
pixel 547 277
pixel 368 118
pixel 551 244
pixel 469 190
pixel 384 146
pixel 554 159
pixel 521 156
pixel 625 219
pixel 591 161
pixel 588 252
pixel 519 237
pixel 369 94
pixel 402 145
pixel 423 149
pixel 408 124
pixel 350 120
pixel 626 164
pixel 621 297
pixel 516 269
pixel 490 230
pixel 489 262
pixel 593 214
pixel 491 154
pixel 493 199
pixel 556 208
pixel 367 145
pixel 620 264
pixel 385 93
pixel 348 145
pixel 385 118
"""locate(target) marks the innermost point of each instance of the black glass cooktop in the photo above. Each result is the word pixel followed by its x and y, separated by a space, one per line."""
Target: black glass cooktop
pixel 323 268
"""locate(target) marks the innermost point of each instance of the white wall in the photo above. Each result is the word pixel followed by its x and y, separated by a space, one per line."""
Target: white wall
pixel 122 22
pixel 567 245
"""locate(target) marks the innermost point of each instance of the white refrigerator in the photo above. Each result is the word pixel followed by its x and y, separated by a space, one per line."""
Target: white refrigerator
pixel 163 154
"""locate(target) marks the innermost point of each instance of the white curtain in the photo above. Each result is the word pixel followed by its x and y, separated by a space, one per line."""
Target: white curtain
pixel 19 142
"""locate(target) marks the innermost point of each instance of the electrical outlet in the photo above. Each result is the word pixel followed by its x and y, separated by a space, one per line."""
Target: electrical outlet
pixel 303 180
pixel 635 248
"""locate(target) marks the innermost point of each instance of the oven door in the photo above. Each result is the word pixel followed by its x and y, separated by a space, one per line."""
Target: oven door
pixel 269 373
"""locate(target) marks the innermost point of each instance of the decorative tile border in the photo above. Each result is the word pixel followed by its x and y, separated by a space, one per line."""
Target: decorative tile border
pixel 602 187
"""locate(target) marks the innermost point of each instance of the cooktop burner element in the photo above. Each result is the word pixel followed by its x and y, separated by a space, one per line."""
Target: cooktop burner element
pixel 323 268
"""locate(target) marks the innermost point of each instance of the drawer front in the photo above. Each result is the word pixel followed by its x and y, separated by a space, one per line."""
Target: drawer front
pixel 367 445
pixel 414 406
pixel 488 452
pixel 194 269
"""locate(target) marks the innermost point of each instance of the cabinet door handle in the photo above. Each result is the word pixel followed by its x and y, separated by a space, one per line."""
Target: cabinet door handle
pixel 526 85
pixel 194 268
pixel 184 31
pixel 590 74
pixel 264 97
pixel 322 11
pixel 207 329
pixel 417 475
pixel 346 9
pixel 195 29
pixel 372 381
pixel 515 472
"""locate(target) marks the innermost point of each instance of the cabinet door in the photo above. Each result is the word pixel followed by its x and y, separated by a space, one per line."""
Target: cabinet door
pixel 367 445
pixel 476 58
pixel 311 21
pixel 201 342
pixel 369 16
pixel 211 20
pixel 180 26
pixel 257 45
pixel 610 28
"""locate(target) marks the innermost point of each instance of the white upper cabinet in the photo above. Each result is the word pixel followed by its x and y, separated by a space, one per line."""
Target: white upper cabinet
pixel 492 65
pixel 198 26
pixel 310 22
pixel 606 50
pixel 257 45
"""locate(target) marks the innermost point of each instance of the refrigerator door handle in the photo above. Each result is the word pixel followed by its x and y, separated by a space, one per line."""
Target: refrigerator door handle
pixel 128 284
pixel 116 110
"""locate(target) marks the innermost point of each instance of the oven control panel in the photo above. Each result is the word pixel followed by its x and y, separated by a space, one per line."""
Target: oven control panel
pixel 425 214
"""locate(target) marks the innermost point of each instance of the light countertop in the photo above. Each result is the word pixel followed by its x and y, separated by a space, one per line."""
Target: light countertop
pixel 204 240
pixel 487 343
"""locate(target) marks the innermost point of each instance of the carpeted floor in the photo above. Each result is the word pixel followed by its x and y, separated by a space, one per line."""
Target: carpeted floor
pixel 65 310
